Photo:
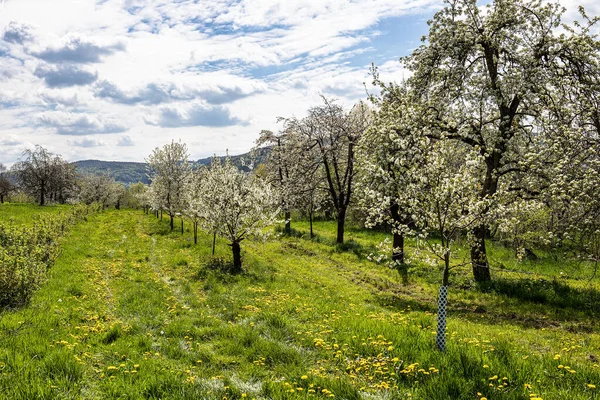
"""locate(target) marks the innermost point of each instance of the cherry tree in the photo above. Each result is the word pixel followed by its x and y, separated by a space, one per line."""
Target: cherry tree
pixel 44 175
pixel 482 73
pixel 153 197
pixel 445 201
pixel 198 202
pixel 99 188
pixel 236 204
pixel 5 184
pixel 292 168
pixel 389 153
pixel 281 169
pixel 143 197
pixel 334 133
pixel 169 171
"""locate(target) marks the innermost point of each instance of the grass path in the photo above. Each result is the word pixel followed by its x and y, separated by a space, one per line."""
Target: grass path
pixel 131 311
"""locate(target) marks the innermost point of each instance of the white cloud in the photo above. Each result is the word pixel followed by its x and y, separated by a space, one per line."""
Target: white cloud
pixel 213 73
pixel 86 142
pixel 196 115
pixel 75 124
pixel 125 141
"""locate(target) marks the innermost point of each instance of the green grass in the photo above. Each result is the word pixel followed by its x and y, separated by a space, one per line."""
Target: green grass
pixel 132 311
pixel 21 213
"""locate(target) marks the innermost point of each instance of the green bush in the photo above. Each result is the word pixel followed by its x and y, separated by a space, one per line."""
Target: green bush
pixel 26 252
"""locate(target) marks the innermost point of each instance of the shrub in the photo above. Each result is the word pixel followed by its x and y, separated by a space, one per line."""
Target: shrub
pixel 26 252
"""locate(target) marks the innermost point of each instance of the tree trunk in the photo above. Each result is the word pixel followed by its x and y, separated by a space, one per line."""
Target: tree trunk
pixel 398 248
pixel 172 222
pixel 237 257
pixel 397 238
pixel 341 219
pixel 479 261
pixel 214 242
pixel 182 225
pixel 288 223
pixel 446 276
pixel 310 218
pixel 398 255
pixel 1 199
pixel 42 195
pixel 481 269
pixel 195 232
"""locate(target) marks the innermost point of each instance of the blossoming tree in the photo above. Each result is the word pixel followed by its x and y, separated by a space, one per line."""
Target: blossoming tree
pixel 237 204
pixel 169 168
pixel 483 74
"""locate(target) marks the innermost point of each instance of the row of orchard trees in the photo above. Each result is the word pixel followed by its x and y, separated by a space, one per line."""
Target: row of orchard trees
pixel 220 199
pixel 495 132
pixel 47 177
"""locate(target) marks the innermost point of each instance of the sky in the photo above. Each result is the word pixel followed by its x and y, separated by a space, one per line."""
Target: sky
pixel 113 79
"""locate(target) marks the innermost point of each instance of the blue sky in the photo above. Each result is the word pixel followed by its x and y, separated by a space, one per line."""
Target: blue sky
pixel 112 79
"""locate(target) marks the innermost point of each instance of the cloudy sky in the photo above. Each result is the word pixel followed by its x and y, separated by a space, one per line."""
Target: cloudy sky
pixel 112 79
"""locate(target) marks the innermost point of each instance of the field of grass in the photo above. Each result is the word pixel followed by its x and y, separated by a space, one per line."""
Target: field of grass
pixel 133 311
pixel 22 213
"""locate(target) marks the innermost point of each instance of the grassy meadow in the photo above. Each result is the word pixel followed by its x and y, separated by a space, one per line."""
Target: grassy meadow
pixel 131 310
pixel 23 214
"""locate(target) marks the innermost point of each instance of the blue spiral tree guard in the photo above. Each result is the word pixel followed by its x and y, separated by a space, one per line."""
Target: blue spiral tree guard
pixel 440 339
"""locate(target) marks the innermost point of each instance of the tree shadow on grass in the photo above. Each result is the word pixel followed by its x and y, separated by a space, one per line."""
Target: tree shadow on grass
pixel 352 246
pixel 160 228
pixel 541 304
pixel 553 293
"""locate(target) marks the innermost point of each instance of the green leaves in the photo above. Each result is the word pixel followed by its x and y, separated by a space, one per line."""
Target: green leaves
pixel 26 252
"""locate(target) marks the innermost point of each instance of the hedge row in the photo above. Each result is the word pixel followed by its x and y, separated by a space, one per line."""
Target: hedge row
pixel 26 252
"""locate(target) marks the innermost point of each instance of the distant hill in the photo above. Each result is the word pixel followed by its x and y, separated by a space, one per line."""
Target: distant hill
pixel 133 172
pixel 124 172
pixel 242 160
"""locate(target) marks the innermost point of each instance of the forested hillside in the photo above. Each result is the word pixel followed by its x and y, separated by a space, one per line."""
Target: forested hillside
pixel 124 172
pixel 129 173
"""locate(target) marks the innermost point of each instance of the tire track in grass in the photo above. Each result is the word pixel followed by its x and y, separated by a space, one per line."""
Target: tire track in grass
pixel 134 355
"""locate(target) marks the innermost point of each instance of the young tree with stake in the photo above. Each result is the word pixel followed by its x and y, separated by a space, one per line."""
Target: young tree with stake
pixel 445 201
